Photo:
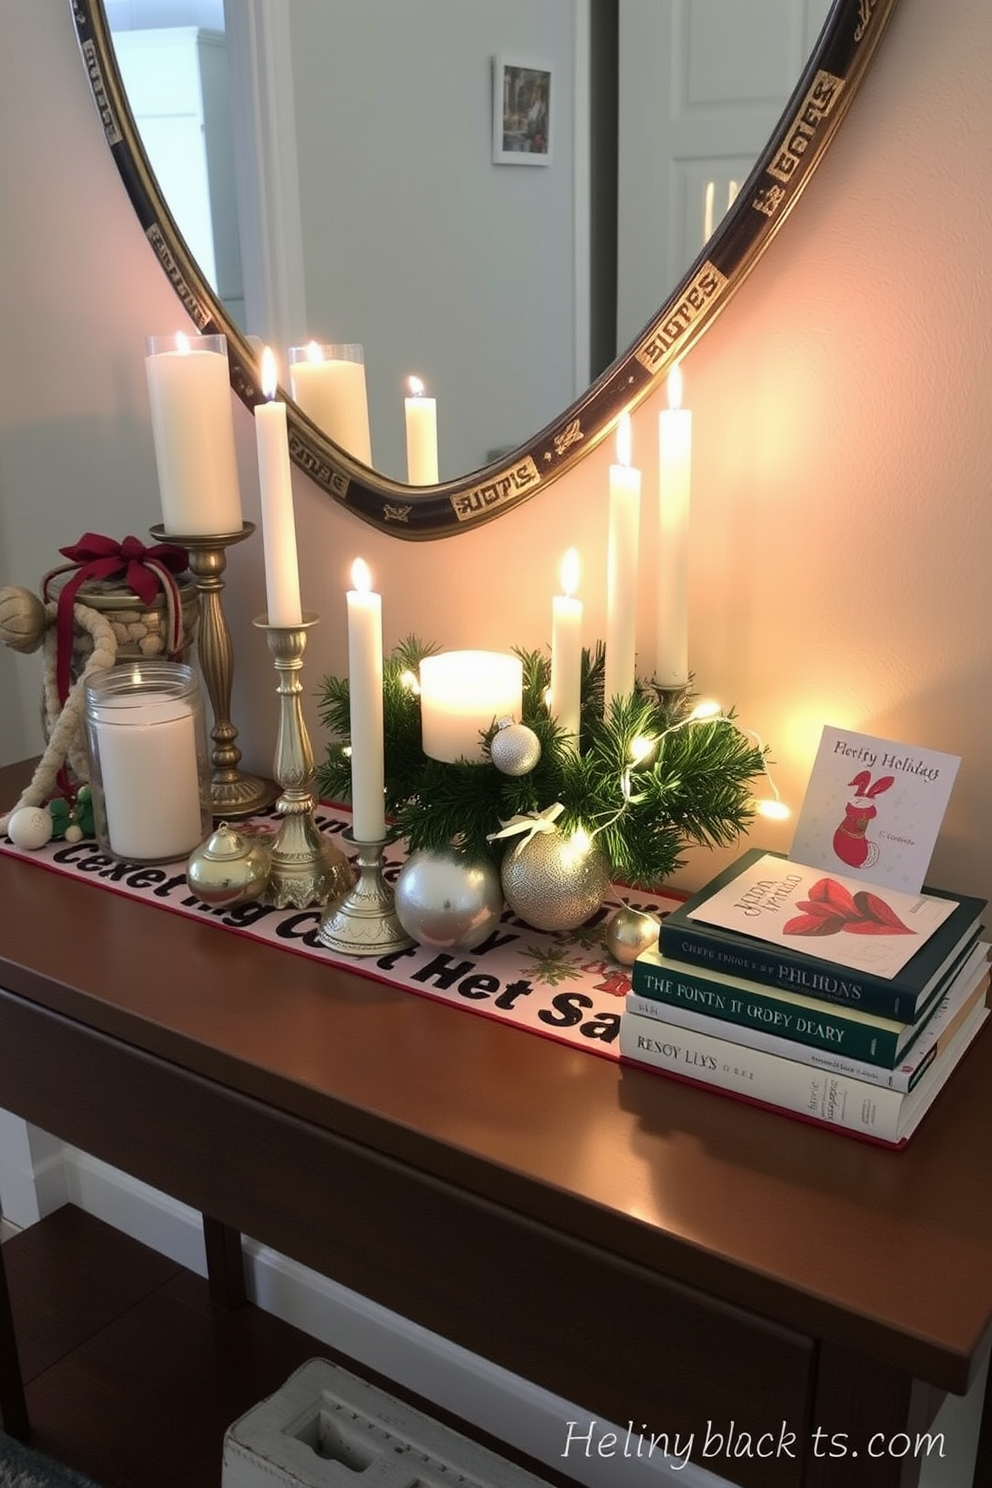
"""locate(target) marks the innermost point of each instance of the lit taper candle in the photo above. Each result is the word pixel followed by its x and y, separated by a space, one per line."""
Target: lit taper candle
pixel 674 487
pixel 282 575
pixel 566 650
pixel 365 696
pixel 621 570
pixel 421 435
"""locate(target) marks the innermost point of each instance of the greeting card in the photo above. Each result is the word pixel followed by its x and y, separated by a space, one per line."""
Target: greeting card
pixel 873 809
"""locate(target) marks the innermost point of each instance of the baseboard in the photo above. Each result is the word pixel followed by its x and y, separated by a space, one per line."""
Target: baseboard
pixel 495 1401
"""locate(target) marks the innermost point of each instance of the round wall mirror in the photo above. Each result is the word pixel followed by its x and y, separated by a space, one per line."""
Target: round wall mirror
pixel 664 285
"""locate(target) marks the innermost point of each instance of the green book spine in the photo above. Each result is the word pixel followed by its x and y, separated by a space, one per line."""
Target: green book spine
pixel 878 1041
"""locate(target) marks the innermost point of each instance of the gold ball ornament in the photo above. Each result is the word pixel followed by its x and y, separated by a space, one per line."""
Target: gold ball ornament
pixel 229 868
pixel 23 620
pixel 630 932
pixel 555 880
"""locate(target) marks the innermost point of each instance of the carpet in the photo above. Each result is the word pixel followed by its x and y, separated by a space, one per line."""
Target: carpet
pixel 25 1467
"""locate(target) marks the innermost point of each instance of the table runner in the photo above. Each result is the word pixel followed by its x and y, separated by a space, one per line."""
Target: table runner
pixel 562 985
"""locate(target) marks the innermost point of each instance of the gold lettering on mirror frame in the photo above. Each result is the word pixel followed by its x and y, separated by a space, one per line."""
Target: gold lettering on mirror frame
pixel 817 105
pixel 192 302
pixel 700 294
pixel 319 470
pixel 509 485
pixel 99 87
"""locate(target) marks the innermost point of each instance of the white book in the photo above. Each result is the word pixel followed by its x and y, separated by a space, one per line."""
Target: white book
pixel 970 986
pixel 821 1096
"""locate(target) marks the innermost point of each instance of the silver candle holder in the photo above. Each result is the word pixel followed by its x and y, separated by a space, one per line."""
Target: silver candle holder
pixel 364 922
pixel 306 868
pixel 232 792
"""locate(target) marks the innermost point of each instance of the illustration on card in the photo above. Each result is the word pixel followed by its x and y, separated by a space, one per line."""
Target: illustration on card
pixel 873 809
pixel 852 844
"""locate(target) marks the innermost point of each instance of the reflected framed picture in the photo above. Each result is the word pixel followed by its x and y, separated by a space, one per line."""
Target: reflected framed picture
pixel 522 132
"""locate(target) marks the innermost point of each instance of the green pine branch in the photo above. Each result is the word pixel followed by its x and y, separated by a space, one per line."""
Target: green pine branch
pixel 647 780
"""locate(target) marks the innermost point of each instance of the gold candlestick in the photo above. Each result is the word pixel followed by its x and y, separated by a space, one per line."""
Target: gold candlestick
pixel 305 867
pixel 364 922
pixel 232 792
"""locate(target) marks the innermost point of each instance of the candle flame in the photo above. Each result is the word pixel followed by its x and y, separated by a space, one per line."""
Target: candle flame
pixel 675 387
pixel 623 439
pixel 270 374
pixel 570 572
pixel 182 343
pixel 361 576
pixel 416 387
pixel 315 353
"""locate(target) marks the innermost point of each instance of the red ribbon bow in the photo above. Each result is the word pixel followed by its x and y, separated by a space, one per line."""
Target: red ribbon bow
pixel 144 570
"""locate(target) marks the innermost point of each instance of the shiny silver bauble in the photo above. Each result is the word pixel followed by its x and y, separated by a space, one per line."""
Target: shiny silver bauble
pixel 515 749
pixel 444 899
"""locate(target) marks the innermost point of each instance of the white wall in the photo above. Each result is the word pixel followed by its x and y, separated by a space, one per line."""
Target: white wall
pixel 841 538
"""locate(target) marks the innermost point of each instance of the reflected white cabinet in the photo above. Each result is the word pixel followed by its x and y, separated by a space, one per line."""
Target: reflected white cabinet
pixel 178 86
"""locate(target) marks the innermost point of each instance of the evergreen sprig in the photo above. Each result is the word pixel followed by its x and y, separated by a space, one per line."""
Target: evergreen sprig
pixel 648 779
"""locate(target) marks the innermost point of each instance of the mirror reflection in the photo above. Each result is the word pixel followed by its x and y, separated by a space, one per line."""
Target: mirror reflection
pixel 340 183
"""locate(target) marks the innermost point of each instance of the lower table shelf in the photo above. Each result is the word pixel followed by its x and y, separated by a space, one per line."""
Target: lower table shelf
pixel 132 1374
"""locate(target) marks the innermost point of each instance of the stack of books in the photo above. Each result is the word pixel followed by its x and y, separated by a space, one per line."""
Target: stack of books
pixel 813 994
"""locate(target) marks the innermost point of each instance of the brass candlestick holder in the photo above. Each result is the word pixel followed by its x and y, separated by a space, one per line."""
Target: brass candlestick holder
pixel 232 793
pixel 305 867
pixel 364 922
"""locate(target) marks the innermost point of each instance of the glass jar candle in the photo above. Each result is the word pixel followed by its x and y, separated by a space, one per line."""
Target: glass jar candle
pixel 147 749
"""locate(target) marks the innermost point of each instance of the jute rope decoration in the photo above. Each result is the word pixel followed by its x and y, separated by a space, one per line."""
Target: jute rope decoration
pixel 26 624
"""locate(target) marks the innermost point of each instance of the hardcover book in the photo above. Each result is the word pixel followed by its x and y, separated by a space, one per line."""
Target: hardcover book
pixel 822 1097
pixel 786 925
pixel 790 1015
pixel 970 988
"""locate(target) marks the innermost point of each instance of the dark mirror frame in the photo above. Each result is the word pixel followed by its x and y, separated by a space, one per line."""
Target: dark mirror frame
pixel 819 102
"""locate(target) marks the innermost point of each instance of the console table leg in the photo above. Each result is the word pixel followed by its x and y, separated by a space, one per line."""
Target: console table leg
pixel 13 1407
pixel 225 1264
pixel 863 1414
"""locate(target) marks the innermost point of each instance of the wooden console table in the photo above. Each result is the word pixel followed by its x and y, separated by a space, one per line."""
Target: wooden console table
pixel 655 1253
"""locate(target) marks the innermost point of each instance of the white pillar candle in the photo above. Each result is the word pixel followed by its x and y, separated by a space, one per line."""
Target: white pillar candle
pixel 566 649
pixel 462 694
pixel 189 392
pixel 328 383
pixel 365 696
pixel 282 575
pixel 621 570
pixel 674 485
pixel 149 778
pixel 421 435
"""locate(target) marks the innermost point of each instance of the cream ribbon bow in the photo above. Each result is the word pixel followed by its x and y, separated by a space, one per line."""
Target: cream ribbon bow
pixel 532 823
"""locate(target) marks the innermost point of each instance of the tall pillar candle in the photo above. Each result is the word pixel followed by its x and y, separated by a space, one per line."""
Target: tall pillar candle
pixel 421 435
pixel 462 694
pixel 566 650
pixel 674 489
pixel 365 696
pixel 328 383
pixel 189 392
pixel 282 576
pixel 621 569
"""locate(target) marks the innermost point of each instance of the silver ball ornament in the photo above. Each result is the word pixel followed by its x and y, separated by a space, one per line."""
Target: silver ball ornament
pixel 630 932
pixel 445 899
pixel 229 868
pixel 515 749
pixel 554 880
pixel 30 827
